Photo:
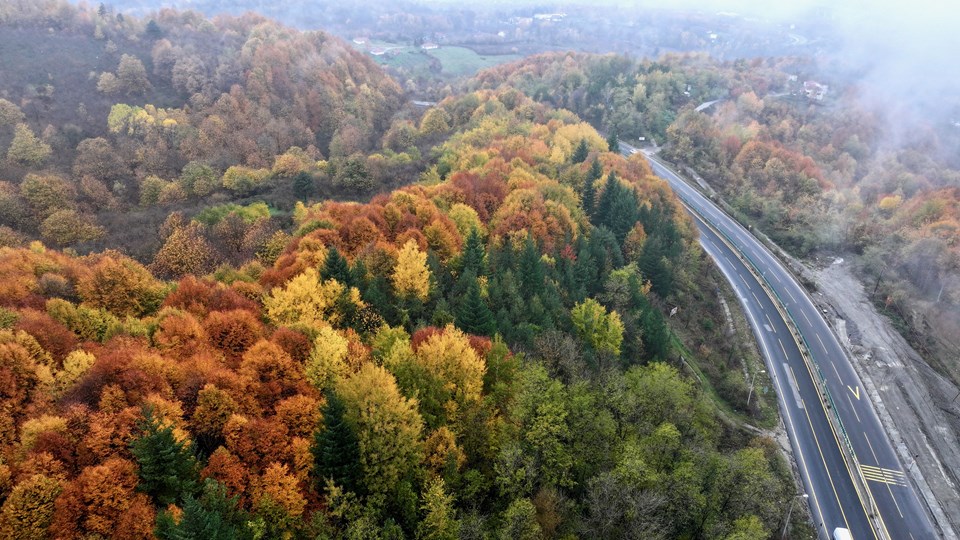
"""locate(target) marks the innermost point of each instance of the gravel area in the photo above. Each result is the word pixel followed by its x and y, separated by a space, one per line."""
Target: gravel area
pixel 919 408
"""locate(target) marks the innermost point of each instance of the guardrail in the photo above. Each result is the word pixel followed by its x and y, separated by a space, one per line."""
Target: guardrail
pixel 836 423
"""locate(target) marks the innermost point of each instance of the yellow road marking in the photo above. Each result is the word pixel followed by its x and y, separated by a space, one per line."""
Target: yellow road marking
pixel 855 392
pixel 846 465
pixel 824 460
pixel 897 475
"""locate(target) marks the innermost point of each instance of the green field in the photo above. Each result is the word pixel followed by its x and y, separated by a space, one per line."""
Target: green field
pixel 455 61
pixel 460 61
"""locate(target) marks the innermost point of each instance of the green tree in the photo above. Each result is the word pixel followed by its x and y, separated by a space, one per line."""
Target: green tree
pixel 168 468
pixel 303 187
pixel 474 256
pixel 613 140
pixel 336 267
pixel 474 316
pixel 581 153
pixel 531 269
pixel 520 522
pixel 26 148
pixel 601 330
pixel 439 520
pixel 212 516
pixel 336 449
pixel 388 428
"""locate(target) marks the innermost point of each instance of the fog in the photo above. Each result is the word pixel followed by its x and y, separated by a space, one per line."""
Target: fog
pixel 901 53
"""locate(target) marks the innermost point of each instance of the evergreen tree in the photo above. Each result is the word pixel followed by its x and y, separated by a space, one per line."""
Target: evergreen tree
pixel 474 316
pixel 611 191
pixel 474 255
pixel 303 187
pixel 613 140
pixel 588 196
pixel 214 516
pixel 623 214
pixel 168 468
pixel 596 170
pixel 336 448
pixel 531 269
pixel 336 267
pixel 581 153
pixel 656 338
pixel 654 266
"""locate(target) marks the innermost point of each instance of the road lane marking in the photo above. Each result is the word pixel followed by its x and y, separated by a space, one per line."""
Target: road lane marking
pixel 755 298
pixel 745 281
pixel 782 348
pixel 885 476
pixel 793 384
pixel 826 468
pixel 855 392
pixel 835 370
pixel 824 347
pixel 771 323
pixel 846 465
pixel 790 294
pixel 854 409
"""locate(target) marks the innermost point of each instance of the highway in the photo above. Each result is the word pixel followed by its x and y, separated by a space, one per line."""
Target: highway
pixel 822 402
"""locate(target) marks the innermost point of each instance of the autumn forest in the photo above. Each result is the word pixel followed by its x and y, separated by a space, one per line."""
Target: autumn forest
pixel 249 290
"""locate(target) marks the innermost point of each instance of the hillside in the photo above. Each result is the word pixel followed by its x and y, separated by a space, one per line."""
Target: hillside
pixel 476 354
pixel 118 116
pixel 822 178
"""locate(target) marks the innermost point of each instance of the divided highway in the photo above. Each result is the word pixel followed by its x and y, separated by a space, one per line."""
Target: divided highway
pixel 824 407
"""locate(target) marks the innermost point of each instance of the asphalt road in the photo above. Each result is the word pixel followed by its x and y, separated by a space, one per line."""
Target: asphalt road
pixel 829 480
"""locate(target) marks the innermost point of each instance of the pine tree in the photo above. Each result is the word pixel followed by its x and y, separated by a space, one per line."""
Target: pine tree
pixel 336 267
pixel 611 191
pixel 214 516
pixel 596 170
pixel 474 317
pixel 613 140
pixel 303 186
pixel 168 468
pixel 336 448
pixel 474 255
pixel 588 196
pixel 623 214
pixel 531 269
pixel 581 153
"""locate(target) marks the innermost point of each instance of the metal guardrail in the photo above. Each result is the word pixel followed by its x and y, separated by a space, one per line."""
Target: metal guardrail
pixel 853 464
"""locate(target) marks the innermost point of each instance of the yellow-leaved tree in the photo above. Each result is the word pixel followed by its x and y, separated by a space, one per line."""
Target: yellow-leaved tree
pixel 327 359
pixel 388 427
pixel 306 300
pixel 411 277
pixel 602 330
pixel 448 355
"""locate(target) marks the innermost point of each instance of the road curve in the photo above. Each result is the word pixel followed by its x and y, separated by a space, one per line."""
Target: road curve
pixel 787 324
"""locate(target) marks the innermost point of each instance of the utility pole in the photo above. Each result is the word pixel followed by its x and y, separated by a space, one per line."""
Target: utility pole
pixel 786 522
pixel 753 380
